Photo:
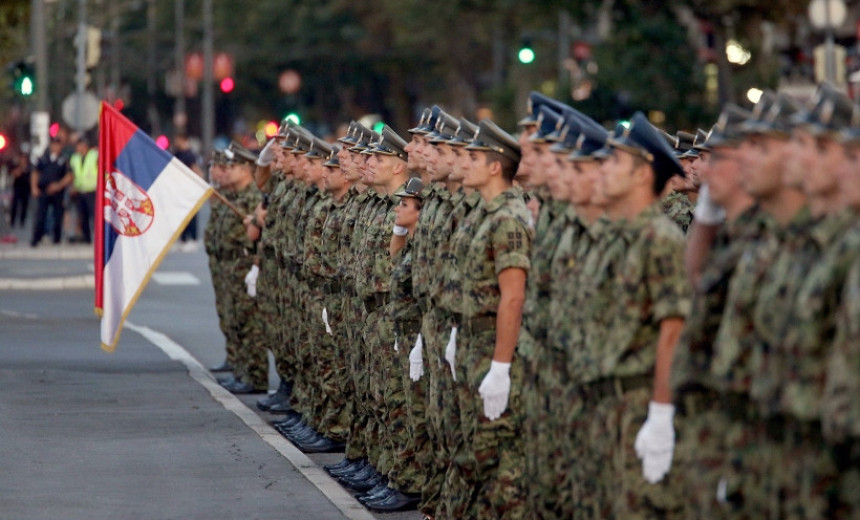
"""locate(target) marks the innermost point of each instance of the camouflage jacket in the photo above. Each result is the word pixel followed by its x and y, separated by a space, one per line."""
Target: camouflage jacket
pixel 679 209
pixel 501 240
pixel 317 261
pixel 649 286
pixel 552 222
pixel 404 306
pixel 423 256
pixel 459 227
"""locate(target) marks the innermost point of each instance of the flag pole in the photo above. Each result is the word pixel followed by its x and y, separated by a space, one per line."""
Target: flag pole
pixel 229 204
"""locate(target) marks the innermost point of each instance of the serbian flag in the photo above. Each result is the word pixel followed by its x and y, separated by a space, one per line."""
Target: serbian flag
pixel 145 198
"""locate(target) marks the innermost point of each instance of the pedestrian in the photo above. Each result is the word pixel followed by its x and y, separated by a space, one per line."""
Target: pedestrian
pixel 48 182
pixel 84 165
pixel 20 169
pixel 186 155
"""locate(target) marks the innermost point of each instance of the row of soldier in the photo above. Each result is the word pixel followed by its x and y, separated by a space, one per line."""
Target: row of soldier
pixel 492 327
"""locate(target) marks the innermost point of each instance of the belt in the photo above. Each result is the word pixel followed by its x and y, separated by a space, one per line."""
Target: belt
pixel 783 428
pixel 614 386
pixel 478 324
pixel 375 301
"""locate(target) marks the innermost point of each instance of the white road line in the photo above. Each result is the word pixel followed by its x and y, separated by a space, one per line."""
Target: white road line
pixel 84 281
pixel 344 501
pixel 16 314
pixel 175 278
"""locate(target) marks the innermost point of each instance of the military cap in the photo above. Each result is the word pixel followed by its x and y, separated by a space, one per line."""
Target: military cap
pixel 363 138
pixel 728 129
pixel 412 189
pixel 389 144
pixel 547 121
pixel 535 101
pixel 236 153
pixel 428 121
pixel 830 111
pixel 702 145
pixel 605 150
pixel 464 133
pixel 642 139
pixel 592 137
pixel 684 144
pixel 218 157
pixel 302 140
pixel 773 116
pixel 490 138
pixel 446 127
pixel 333 161
pixel 318 149
pixel 568 133
pixel 349 138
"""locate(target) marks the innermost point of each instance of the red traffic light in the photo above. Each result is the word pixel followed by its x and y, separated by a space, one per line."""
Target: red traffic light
pixel 227 85
pixel 3 142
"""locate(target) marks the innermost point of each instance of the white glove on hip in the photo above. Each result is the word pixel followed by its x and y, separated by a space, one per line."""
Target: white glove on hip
pixel 655 442
pixel 707 211
pixel 451 352
pixel 267 154
pixel 495 389
pixel 325 321
pixel 416 361
pixel 251 281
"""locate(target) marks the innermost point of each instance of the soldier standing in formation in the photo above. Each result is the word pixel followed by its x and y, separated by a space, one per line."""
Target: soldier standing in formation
pixel 501 327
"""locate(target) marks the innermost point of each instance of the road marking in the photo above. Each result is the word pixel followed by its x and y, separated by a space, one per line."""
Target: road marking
pixel 338 496
pixel 175 278
pixel 84 281
pixel 16 314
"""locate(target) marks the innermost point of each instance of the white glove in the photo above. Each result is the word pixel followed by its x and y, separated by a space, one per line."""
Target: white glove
pixel 655 442
pixel 495 389
pixel 251 281
pixel 325 321
pixel 400 230
pixel 451 352
pixel 267 154
pixel 707 211
pixel 416 361
pixel 396 343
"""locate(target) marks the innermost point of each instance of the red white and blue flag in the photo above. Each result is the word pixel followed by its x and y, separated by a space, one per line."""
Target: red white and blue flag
pixel 145 198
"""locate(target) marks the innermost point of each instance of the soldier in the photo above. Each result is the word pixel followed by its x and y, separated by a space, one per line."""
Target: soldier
pixel 239 255
pixel 703 417
pixel 493 255
pixel 212 242
pixel 624 378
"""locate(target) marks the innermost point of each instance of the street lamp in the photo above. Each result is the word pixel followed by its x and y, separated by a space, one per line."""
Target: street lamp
pixel 827 15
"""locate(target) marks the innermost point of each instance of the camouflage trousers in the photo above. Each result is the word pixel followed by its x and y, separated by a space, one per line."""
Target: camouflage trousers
pixel 378 341
pixel 245 328
pixel 220 287
pixel 441 412
pixel 268 299
pixel 353 339
pixel 485 477
pixel 302 398
pixel 406 423
pixel 607 474
pixel 332 368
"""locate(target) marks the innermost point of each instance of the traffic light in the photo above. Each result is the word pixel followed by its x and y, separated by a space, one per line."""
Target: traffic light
pixel 294 117
pixel 23 78
pixel 227 85
pixel 526 53
pixel 3 142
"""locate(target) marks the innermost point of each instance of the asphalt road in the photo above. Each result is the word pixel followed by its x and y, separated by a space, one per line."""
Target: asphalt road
pixel 144 432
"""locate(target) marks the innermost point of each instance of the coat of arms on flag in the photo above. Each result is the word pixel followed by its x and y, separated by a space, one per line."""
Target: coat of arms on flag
pixel 145 198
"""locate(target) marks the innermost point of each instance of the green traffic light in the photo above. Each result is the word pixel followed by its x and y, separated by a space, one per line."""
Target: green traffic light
pixel 526 55
pixel 378 126
pixel 26 87
pixel 294 117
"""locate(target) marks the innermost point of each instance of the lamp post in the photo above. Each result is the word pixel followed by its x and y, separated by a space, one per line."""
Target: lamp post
pixel 827 15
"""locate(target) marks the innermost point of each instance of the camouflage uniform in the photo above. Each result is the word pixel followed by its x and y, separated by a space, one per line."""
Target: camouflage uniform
pixel 213 245
pixel 703 417
pixel 490 460
pixel 317 346
pixel 354 313
pixel 541 377
pixel 615 376
pixel 447 296
pixel 273 238
pixel 245 329
pixel 267 281
pixel 679 209
pixel 804 282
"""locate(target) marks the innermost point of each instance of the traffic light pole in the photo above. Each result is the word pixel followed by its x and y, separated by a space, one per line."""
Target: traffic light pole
pixel 81 65
pixel 40 54
pixel 207 107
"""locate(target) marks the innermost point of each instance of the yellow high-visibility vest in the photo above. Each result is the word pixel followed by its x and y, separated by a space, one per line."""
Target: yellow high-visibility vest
pixel 86 172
